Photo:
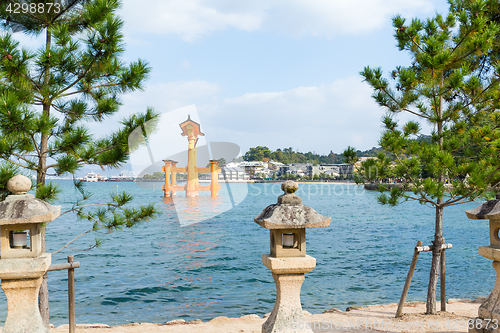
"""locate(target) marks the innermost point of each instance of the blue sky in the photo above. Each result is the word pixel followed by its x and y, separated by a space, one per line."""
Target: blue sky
pixel 281 73
pixel 274 73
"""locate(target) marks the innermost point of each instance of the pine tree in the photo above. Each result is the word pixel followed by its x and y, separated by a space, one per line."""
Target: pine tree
pixel 446 87
pixel 48 96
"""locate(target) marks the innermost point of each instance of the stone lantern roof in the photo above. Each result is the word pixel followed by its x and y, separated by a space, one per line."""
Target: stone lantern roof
pixel 490 210
pixel 20 207
pixel 290 213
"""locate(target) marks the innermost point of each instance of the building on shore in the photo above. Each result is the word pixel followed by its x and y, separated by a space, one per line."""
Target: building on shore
pixel 253 167
pixel 228 173
pixel 310 170
pixel 233 173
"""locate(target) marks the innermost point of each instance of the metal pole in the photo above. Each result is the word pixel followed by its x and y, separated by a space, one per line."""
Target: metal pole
pixel 71 296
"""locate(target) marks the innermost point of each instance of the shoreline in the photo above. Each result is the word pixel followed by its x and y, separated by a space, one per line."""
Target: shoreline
pixel 369 319
pixel 250 181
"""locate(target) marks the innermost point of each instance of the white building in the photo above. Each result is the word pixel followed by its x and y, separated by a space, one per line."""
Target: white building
pixel 232 173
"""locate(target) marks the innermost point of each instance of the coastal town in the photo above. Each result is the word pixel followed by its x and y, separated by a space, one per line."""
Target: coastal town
pixel 253 170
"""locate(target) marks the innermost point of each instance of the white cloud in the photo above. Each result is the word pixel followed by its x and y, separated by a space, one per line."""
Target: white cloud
pixel 318 118
pixel 193 19
pixel 322 118
pixel 172 95
pixel 163 97
pixel 190 19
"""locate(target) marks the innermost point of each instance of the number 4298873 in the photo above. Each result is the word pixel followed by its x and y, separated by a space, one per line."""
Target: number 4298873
pixel 34 8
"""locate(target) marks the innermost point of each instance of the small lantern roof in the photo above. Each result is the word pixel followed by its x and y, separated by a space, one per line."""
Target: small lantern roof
pixel 188 125
pixel 489 210
pixel 290 213
pixel 21 208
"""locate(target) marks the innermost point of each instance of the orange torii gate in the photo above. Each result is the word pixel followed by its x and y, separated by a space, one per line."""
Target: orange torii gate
pixel 191 129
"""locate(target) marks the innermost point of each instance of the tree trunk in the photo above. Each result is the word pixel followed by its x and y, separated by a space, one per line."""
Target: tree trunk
pixel 436 257
pixel 438 231
pixel 43 295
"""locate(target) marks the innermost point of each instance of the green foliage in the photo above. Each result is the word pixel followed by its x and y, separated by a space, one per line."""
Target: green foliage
pixel 48 192
pixel 288 155
pixel 48 98
pixel 7 171
pixel 155 175
pixel 111 216
pixel 222 162
pixel 443 86
pixel 350 155
pixel 257 154
pixel 446 86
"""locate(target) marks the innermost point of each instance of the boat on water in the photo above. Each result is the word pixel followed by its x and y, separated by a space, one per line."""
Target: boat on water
pixel 120 178
pixel 94 177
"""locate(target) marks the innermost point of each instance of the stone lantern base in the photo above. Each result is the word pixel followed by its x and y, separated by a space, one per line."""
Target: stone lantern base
pixel 490 309
pixel 288 273
pixel 21 280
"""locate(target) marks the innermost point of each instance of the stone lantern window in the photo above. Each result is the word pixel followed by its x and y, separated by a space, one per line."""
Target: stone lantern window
pixel 19 212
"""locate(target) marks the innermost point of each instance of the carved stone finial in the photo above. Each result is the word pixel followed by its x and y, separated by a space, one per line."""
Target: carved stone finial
pixel 289 198
pixel 289 186
pixel 19 184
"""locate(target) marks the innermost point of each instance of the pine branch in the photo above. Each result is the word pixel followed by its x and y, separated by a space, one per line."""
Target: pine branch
pixel 422 195
pixel 71 241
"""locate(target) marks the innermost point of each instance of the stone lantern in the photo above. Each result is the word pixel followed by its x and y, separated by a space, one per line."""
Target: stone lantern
pixel 288 261
pixel 490 309
pixel 22 267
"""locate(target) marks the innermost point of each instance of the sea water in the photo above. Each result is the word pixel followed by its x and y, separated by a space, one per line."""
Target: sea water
pixel 168 268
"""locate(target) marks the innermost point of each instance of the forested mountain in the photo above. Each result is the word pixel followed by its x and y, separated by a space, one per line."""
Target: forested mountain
pixel 288 155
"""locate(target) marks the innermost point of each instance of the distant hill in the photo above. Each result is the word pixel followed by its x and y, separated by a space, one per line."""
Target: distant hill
pixel 288 155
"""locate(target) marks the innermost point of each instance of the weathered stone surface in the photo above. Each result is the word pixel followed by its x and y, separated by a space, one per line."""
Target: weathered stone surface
pixel 490 309
pixel 287 311
pixel 290 213
pixel 22 301
pixel 25 208
pixel 24 268
pixel 279 216
pixel 489 252
pixel 19 184
pixel 196 321
pixel 288 262
pixel 289 265
pixel 289 199
pixel 488 210
pixel 289 186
